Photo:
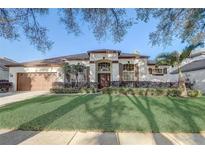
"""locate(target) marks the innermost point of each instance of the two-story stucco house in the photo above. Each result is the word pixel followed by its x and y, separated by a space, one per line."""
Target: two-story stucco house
pixel 103 66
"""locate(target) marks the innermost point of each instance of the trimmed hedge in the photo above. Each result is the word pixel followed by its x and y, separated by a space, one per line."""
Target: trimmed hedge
pixel 72 90
pixel 194 93
pixel 143 91
pixel 173 92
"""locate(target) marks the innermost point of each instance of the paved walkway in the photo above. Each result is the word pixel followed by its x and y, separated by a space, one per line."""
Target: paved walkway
pixel 11 137
pixel 8 98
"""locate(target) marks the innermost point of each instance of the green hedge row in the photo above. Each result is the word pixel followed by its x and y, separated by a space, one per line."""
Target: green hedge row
pixel 72 90
pixel 150 92
pixel 129 91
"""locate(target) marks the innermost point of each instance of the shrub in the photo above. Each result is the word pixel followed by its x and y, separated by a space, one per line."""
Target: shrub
pixel 194 93
pixel 5 85
pixel 88 90
pixel 64 90
pixel 150 92
pixel 72 90
pixel 161 92
pixel 174 92
pixel 142 91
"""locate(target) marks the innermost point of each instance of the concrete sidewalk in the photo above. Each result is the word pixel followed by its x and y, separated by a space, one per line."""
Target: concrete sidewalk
pixel 15 137
pixel 9 98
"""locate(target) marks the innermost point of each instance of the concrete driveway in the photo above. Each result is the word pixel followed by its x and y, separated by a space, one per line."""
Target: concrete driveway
pixel 16 137
pixel 8 98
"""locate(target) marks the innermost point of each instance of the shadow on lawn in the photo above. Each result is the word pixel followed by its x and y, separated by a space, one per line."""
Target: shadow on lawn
pixel 145 109
pixel 41 122
pixel 39 99
pixel 102 115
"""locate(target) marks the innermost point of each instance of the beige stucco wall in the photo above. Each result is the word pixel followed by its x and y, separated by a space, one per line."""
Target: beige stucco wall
pixel 4 75
pixel 92 72
pixel 75 62
pixel 96 57
pixel 165 78
pixel 115 72
pixel 99 56
pixel 14 70
pixel 142 65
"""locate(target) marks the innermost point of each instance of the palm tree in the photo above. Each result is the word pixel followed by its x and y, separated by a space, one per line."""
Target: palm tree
pixel 175 59
pixel 73 69
pixel 79 68
pixel 67 70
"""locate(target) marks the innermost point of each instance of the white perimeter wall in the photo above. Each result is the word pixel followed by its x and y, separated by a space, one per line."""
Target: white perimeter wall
pixel 14 70
pixel 165 78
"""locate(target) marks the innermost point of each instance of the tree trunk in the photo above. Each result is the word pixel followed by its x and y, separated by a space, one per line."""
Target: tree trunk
pixel 182 85
pixel 76 80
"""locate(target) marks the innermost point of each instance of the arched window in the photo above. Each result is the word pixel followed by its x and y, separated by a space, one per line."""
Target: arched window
pixel 103 66
pixel 128 72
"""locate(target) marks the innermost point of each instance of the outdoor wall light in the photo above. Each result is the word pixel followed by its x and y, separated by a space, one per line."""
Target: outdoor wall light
pixel 11 75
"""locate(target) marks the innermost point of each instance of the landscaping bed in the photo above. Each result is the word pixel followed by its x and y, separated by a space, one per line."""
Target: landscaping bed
pixel 173 92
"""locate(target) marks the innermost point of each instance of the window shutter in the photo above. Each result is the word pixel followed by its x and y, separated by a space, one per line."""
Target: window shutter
pixel 88 74
pixel 150 70
pixel 136 72
pixel 120 71
pixel 165 70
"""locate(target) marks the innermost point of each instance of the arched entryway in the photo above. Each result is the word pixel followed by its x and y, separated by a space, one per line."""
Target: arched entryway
pixel 104 73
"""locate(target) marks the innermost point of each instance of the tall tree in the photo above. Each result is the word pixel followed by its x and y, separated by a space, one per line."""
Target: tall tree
pixel 175 59
pixel 15 21
pixel 101 22
pixel 67 70
pixel 186 24
pixel 73 69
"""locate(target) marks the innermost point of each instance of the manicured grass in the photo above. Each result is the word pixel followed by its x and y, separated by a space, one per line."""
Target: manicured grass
pixel 107 113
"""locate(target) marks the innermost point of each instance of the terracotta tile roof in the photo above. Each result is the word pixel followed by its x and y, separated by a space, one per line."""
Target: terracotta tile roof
pixel 82 56
pixel 103 51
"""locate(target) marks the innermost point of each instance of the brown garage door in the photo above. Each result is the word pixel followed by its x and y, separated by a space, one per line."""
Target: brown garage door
pixel 35 81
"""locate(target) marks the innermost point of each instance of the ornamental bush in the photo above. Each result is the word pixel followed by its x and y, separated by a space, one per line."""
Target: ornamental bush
pixel 194 93
pixel 5 85
pixel 143 91
pixel 72 90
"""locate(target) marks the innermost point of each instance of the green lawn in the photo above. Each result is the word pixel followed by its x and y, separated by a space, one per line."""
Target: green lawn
pixel 107 113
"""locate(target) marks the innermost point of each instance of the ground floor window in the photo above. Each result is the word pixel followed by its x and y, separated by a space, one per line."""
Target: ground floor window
pixel 128 76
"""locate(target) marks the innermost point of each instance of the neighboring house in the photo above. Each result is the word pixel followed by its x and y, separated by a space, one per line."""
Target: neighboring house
pixel 4 71
pixel 194 72
pixel 103 66
pixel 160 73
pixel 193 69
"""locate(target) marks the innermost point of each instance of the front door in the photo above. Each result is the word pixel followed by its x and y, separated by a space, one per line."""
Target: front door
pixel 104 80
